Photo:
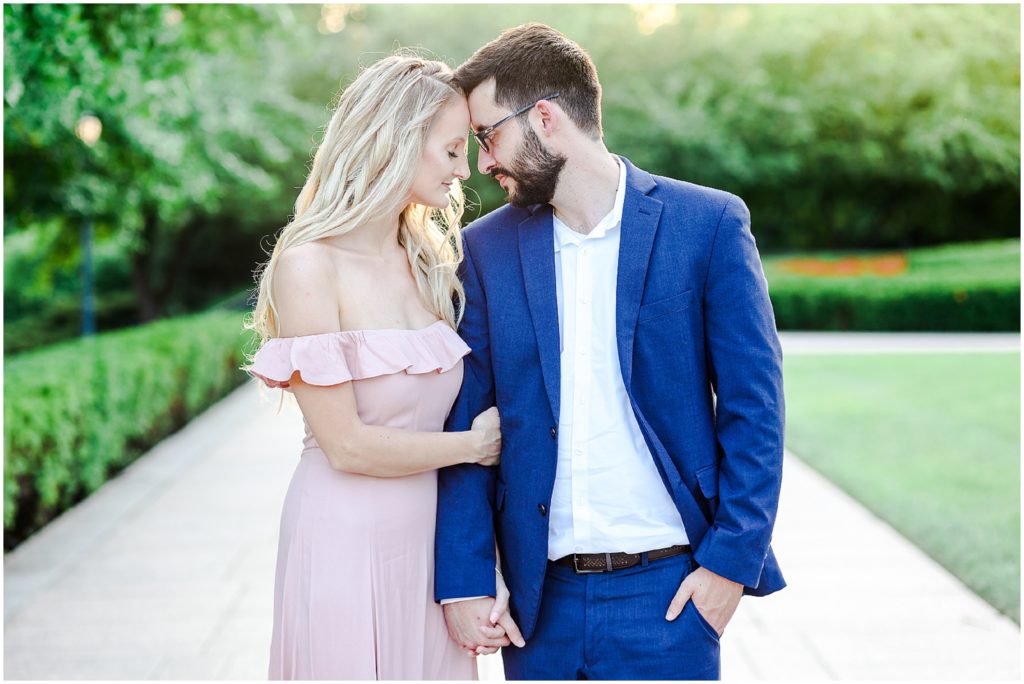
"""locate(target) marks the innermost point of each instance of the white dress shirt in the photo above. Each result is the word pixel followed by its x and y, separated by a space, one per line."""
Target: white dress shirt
pixel 608 495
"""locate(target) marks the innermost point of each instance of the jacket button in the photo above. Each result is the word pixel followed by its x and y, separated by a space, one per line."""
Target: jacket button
pixel 543 509
pixel 554 433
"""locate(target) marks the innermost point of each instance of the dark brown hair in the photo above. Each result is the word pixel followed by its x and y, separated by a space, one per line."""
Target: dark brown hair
pixel 533 60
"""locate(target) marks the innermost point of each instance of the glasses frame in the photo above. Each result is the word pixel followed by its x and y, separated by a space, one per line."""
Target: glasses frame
pixel 482 135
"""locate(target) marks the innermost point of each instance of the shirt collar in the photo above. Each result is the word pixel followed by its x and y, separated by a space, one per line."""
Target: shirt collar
pixel 564 235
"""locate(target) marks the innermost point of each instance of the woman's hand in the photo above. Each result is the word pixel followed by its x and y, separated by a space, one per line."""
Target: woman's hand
pixel 487 430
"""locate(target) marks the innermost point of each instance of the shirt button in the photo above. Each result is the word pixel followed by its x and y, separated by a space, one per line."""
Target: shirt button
pixel 543 510
pixel 554 433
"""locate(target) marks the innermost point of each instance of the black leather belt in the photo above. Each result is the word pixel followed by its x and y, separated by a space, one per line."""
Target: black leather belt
pixel 589 563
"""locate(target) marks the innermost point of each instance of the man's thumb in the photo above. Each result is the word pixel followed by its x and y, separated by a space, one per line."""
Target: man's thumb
pixel 678 601
pixel 499 607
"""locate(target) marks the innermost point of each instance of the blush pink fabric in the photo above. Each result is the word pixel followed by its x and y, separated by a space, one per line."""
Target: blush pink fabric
pixel 353 594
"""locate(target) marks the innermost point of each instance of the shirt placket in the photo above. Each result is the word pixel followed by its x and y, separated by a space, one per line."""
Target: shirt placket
pixel 581 408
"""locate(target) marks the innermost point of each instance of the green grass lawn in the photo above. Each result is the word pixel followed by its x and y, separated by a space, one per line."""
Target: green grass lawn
pixel 930 443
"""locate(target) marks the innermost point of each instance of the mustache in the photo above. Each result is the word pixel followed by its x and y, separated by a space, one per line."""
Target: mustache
pixel 498 171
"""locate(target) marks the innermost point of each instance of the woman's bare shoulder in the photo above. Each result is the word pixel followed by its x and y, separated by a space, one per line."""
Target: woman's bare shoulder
pixel 301 263
pixel 305 290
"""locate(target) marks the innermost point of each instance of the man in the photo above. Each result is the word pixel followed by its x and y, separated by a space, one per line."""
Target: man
pixel 621 323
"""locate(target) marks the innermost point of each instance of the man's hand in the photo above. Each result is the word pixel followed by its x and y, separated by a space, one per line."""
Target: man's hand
pixel 714 597
pixel 501 617
pixel 470 627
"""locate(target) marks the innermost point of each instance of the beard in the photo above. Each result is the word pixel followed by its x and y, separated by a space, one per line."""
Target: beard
pixel 535 171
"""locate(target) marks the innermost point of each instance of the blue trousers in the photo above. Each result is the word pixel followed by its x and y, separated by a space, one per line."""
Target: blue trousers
pixel 612 626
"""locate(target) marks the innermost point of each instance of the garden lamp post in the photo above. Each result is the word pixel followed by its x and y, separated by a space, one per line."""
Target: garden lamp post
pixel 88 130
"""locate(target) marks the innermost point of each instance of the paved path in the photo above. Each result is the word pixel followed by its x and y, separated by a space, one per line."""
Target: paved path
pixel 167 573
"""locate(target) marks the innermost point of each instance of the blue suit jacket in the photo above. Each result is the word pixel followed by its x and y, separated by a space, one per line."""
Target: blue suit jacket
pixel 693 322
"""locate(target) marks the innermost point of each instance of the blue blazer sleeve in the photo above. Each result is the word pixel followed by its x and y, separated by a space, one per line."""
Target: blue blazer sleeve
pixel 745 367
pixel 464 542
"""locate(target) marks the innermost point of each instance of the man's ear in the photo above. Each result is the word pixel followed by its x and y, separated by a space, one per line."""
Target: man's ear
pixel 548 117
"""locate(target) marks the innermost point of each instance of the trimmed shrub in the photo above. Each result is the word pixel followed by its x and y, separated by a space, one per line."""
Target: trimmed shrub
pixel 60 319
pixel 78 412
pixel 972 287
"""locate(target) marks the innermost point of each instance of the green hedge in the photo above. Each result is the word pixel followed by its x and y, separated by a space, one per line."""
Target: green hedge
pixel 77 412
pixel 974 287
pixel 60 319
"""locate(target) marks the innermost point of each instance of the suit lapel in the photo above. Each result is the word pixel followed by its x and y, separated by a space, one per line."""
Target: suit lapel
pixel 640 216
pixel 537 254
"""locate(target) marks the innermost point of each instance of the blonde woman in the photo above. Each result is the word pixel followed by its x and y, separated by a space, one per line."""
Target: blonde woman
pixel 357 310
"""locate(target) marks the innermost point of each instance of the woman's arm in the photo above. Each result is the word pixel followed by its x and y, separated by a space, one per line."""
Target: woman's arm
pixel 304 294
pixel 355 447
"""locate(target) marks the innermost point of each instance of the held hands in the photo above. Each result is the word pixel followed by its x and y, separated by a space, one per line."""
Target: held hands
pixel 467 622
pixel 486 429
pixel 714 597
pixel 471 626
pixel 501 619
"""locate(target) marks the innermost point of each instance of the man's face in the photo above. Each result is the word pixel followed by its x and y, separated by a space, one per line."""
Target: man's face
pixel 517 159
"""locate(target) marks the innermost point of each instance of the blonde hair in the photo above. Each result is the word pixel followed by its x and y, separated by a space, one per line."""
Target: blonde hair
pixel 365 163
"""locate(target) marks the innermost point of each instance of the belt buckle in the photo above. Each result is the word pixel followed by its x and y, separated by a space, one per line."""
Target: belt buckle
pixel 583 571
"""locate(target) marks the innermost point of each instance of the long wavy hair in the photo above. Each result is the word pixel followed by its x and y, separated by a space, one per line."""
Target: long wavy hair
pixel 364 165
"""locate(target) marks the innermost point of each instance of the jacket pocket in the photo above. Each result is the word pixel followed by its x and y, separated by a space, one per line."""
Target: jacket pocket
pixel 707 480
pixel 663 307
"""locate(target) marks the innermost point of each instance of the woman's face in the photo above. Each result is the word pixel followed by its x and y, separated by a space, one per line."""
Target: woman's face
pixel 444 155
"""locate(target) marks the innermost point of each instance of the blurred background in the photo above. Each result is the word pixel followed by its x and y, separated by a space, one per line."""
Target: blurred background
pixel 151 153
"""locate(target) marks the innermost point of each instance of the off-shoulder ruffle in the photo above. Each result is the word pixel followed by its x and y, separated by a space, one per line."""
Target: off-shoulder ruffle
pixel 336 357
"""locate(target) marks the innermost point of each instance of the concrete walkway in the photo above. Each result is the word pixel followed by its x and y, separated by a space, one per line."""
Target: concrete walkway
pixel 167 573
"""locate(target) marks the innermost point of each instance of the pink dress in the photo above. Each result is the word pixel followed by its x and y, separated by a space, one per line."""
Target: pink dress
pixel 353 595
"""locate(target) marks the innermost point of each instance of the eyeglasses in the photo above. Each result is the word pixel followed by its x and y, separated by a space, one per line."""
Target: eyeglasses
pixel 485 134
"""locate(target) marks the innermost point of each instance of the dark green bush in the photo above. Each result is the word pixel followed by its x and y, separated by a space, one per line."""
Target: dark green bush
pixel 984 308
pixel 951 288
pixel 61 319
pixel 78 412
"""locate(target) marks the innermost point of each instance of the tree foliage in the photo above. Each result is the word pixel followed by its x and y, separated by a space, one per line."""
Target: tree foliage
pixel 841 126
pixel 185 135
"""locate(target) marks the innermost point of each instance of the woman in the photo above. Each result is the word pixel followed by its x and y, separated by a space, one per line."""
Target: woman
pixel 357 308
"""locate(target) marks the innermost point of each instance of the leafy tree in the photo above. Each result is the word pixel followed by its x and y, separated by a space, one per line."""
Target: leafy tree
pixel 845 126
pixel 842 126
pixel 185 133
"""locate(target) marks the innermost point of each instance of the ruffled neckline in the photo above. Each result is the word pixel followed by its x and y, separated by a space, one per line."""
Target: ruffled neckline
pixel 331 358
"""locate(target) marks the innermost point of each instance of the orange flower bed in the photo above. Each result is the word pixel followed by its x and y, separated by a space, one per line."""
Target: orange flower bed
pixel 887 265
